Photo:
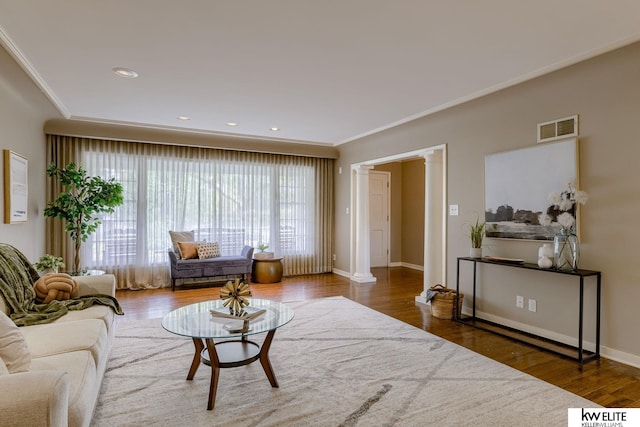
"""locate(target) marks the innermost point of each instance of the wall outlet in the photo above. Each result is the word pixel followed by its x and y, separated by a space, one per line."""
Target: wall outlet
pixel 453 210
pixel 532 305
pixel 519 301
pixel 334 257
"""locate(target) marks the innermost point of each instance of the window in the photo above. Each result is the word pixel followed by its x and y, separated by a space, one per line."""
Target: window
pixel 228 201
pixel 232 197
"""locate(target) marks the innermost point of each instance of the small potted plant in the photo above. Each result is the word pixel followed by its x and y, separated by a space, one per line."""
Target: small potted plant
pixel 262 254
pixel 477 231
pixel 48 264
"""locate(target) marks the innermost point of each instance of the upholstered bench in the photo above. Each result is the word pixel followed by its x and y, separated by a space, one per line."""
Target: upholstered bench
pixel 211 267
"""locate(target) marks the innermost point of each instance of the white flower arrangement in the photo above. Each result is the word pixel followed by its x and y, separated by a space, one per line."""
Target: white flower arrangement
pixel 563 207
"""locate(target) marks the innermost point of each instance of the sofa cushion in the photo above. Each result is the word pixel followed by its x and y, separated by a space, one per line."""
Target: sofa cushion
pixel 188 250
pixel 84 381
pixel 208 250
pixel 63 337
pixel 101 312
pixel 3 368
pixel 180 236
pixel 14 350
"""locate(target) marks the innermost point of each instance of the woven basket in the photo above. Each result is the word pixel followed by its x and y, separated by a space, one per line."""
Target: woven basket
pixel 444 301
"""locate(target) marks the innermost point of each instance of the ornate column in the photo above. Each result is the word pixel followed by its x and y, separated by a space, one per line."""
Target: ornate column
pixel 362 272
pixel 433 221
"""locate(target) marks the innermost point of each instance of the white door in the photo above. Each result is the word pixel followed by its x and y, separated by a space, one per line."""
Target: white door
pixel 379 218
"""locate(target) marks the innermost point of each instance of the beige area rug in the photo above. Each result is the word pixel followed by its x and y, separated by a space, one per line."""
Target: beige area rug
pixel 338 363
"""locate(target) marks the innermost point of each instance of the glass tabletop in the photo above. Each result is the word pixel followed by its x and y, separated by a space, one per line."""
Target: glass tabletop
pixel 196 321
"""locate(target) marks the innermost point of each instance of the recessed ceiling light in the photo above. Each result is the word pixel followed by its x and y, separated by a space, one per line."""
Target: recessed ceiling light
pixel 274 129
pixel 232 124
pixel 125 72
pixel 183 118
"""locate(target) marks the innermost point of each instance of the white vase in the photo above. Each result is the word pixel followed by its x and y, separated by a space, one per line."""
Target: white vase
pixel 475 253
pixel 545 262
pixel 545 256
pixel 546 250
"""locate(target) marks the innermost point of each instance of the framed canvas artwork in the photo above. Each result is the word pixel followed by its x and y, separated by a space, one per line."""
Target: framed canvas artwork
pixel 517 188
pixel 15 188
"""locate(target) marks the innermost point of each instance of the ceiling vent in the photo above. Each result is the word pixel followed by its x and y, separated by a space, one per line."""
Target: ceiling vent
pixel 557 129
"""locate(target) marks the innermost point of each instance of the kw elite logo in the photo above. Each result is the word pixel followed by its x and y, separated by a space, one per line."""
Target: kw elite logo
pixel 604 417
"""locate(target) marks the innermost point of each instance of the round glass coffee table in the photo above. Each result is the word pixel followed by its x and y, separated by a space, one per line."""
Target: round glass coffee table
pixel 234 348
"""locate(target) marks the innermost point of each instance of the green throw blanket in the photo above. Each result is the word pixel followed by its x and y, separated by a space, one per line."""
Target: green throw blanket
pixel 17 277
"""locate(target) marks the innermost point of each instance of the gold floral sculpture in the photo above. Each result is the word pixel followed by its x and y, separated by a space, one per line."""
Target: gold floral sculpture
pixel 235 295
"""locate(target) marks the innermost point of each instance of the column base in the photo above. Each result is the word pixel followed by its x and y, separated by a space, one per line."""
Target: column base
pixel 360 278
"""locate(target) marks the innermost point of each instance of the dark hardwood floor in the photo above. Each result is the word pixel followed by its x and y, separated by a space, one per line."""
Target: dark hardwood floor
pixel 603 381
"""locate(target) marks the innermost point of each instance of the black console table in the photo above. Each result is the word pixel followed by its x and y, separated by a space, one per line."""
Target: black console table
pixel 544 343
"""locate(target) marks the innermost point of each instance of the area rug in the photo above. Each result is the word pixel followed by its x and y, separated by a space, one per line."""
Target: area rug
pixel 338 363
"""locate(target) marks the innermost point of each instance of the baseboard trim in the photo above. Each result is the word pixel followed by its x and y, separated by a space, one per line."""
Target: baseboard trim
pixel 341 273
pixel 412 266
pixel 609 353
pixel 545 333
pixel 620 356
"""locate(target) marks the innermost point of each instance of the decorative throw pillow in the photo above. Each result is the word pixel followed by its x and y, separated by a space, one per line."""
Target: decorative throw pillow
pixel 188 250
pixel 55 286
pixel 180 236
pixel 208 250
pixel 13 348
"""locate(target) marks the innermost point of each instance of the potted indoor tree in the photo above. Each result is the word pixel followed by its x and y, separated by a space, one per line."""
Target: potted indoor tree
pixel 80 201
pixel 477 232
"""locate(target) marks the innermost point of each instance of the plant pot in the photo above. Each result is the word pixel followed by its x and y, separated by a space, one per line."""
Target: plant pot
pixel 48 270
pixel 263 255
pixel 475 252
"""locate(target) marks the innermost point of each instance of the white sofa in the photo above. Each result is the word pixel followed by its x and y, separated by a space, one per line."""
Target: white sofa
pixel 68 361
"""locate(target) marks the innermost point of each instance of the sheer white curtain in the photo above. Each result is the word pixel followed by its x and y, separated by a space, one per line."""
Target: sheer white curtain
pixel 234 198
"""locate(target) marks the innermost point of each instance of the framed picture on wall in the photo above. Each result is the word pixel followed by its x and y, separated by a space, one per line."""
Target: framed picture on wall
pixel 16 188
pixel 518 184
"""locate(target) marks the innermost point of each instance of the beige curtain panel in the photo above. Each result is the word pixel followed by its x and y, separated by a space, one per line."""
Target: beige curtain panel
pixel 232 197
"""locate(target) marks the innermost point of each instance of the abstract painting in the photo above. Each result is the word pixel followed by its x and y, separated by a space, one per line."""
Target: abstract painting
pixel 518 184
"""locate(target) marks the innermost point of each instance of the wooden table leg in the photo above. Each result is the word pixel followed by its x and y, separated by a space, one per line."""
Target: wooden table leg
pixel 215 373
pixel 264 358
pixel 196 358
pixel 215 363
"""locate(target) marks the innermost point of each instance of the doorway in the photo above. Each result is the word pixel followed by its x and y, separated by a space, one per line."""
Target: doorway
pixel 435 219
